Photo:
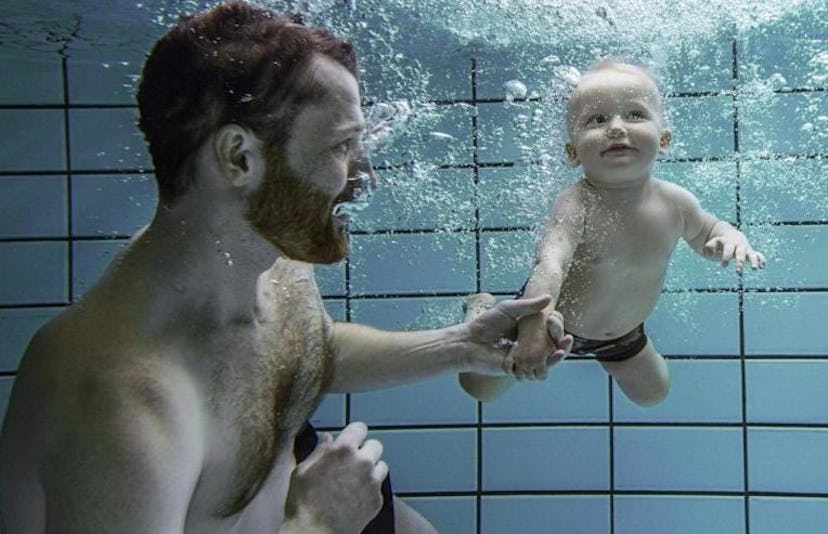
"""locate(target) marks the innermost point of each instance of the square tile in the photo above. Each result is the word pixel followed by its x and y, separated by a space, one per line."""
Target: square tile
pixel 585 514
pixel 107 139
pixel 679 514
pixel 420 197
pixel 783 123
pixel 434 401
pixel 31 78
pixel 701 391
pixel 773 515
pixel 559 458
pixel 787 391
pixel 330 279
pixel 506 259
pixel 783 190
pixel 33 140
pixel 575 391
pixel 104 81
pixel 32 206
pixel 418 459
pixel 678 459
pixel 331 412
pixel 702 126
pixel 33 273
pixel 787 50
pixel 447 514
pixel 791 251
pixel 695 324
pixel 520 131
pixel 690 270
pixel 435 134
pixel 112 205
pixel 521 195
pixel 797 316
pixel 410 313
pixel 803 470
pixel 412 263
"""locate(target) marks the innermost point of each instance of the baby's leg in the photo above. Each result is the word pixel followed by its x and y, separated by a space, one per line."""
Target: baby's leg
pixel 644 378
pixel 482 387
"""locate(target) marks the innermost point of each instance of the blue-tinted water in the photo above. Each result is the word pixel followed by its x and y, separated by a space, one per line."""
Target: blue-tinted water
pixel 472 97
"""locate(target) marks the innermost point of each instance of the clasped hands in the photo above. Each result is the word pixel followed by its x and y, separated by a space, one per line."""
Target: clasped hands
pixel 528 353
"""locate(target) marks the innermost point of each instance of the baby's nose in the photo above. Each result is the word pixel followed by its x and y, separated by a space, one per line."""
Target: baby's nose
pixel 615 126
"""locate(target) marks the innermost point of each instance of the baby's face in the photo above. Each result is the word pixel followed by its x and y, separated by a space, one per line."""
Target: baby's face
pixel 616 126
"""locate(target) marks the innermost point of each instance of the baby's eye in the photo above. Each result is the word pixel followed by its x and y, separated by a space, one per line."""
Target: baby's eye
pixel 636 115
pixel 596 119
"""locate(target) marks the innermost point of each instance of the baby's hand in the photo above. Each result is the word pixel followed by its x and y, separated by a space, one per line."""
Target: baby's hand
pixel 541 344
pixel 734 246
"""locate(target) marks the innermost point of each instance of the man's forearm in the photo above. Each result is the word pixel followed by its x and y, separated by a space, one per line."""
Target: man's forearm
pixel 367 358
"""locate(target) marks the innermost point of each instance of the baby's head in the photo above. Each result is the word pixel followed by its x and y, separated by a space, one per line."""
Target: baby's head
pixel 615 119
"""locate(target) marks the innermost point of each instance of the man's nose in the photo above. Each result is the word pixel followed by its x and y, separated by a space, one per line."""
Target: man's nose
pixel 361 164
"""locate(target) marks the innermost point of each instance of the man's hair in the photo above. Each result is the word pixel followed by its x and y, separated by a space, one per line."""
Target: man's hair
pixel 235 63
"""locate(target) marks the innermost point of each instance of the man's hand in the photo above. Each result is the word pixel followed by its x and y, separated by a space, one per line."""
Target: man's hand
pixel 541 344
pixel 495 330
pixel 733 245
pixel 337 488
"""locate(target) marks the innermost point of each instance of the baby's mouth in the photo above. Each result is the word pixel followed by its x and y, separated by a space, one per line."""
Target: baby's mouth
pixel 617 147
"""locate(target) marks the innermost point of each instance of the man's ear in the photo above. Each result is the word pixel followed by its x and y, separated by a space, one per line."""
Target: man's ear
pixel 571 154
pixel 664 141
pixel 240 155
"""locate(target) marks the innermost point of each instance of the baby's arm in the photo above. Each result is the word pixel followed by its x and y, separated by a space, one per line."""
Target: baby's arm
pixel 562 233
pixel 711 237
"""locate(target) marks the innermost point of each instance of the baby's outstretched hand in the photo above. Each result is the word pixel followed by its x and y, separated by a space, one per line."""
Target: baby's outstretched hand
pixel 734 246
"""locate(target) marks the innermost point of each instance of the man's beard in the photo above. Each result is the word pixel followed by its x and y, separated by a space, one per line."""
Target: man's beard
pixel 297 217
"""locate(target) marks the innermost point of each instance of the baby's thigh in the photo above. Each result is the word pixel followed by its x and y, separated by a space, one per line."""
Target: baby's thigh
pixel 644 377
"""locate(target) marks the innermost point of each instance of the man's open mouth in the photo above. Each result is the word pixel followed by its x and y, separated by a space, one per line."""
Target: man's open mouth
pixel 356 196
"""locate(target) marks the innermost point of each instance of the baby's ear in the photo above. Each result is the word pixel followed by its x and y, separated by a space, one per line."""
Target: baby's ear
pixel 571 154
pixel 664 141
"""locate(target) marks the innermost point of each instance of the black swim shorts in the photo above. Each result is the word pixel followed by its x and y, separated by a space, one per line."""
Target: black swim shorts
pixel 612 350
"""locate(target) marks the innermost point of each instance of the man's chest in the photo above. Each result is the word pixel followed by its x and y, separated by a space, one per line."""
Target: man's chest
pixel 279 369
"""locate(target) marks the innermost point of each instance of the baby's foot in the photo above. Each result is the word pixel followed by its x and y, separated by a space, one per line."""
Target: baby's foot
pixel 477 303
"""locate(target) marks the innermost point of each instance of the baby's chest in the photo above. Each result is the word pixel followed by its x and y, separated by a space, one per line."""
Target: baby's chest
pixel 645 234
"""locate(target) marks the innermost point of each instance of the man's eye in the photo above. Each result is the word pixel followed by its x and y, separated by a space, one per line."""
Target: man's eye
pixel 342 148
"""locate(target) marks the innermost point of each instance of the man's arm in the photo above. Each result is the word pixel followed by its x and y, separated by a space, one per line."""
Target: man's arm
pixel 367 358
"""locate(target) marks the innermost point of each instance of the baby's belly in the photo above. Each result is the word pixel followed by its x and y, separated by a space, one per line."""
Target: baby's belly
pixel 607 311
